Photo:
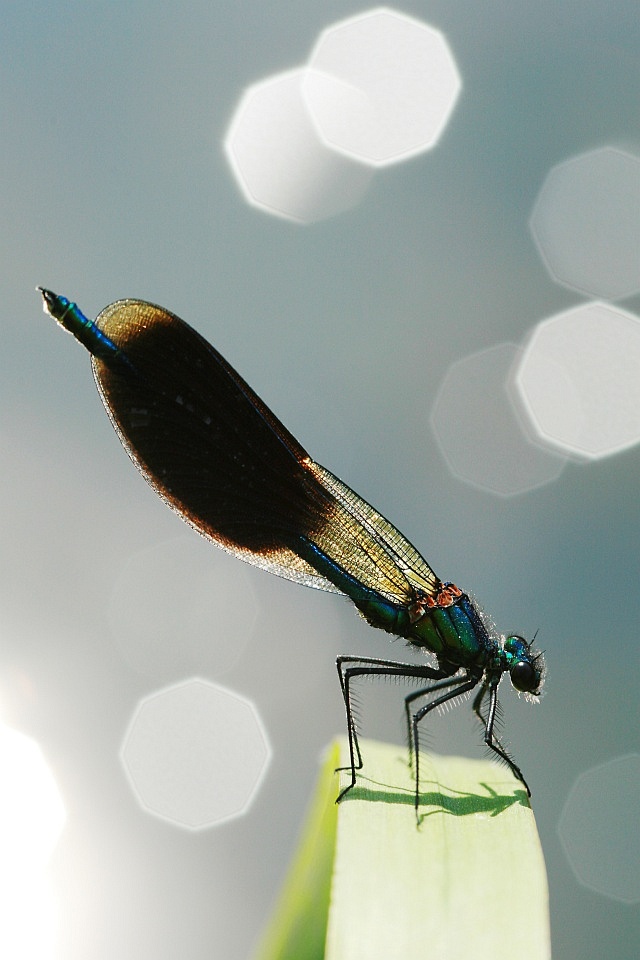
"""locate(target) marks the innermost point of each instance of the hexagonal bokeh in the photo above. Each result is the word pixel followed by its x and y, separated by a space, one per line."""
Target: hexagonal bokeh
pixel 173 609
pixel 379 88
pixel 477 429
pixel 586 225
pixel 578 380
pixel 278 159
pixel 598 829
pixel 404 80
pixel 195 754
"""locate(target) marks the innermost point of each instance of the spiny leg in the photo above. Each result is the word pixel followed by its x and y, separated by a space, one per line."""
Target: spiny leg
pixel 490 739
pixel 463 685
pixel 447 681
pixel 371 666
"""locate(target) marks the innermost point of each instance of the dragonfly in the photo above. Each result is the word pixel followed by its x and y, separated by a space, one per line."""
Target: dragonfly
pixel 218 456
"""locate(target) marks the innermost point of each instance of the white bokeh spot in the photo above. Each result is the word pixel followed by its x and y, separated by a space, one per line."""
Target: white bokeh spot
pixel 578 380
pixel 173 609
pixel 586 223
pixel 599 832
pixel 406 79
pixel 195 754
pixel 478 431
pixel 280 163
pixel 32 816
pixel 378 89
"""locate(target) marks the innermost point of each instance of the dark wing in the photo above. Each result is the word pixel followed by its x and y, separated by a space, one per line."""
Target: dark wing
pixel 217 455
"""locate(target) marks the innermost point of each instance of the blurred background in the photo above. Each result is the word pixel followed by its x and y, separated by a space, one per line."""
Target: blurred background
pixel 352 321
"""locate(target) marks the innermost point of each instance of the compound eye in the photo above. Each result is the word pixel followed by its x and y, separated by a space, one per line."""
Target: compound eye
pixel 524 677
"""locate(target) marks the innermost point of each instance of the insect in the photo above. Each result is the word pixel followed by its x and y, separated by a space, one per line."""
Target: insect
pixel 223 461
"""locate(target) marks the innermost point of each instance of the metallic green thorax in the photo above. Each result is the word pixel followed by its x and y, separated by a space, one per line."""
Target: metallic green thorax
pixel 451 628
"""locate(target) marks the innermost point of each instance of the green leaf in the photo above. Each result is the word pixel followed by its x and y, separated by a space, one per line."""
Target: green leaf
pixel 369 883
pixel 297 930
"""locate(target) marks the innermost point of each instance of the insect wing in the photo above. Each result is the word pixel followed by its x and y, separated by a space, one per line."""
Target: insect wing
pixel 206 443
pixel 368 546
pixel 224 462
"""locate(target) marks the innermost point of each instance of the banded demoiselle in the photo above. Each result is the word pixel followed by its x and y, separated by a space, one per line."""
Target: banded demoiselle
pixel 223 461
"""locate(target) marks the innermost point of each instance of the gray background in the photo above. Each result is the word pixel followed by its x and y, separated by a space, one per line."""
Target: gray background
pixel 113 184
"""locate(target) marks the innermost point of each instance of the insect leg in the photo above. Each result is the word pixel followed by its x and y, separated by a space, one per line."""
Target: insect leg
pixel 460 685
pixel 351 667
pixel 446 681
pixel 492 741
